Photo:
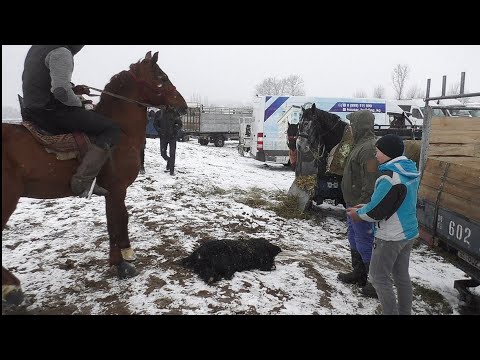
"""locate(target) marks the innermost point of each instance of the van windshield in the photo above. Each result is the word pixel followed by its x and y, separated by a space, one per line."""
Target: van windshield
pixel 475 113
pixel 460 113
pixel 435 112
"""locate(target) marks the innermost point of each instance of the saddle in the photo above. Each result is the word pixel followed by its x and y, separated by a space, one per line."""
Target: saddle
pixel 64 146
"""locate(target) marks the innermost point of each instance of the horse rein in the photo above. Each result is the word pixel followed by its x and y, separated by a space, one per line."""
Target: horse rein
pixel 139 81
pixel 121 97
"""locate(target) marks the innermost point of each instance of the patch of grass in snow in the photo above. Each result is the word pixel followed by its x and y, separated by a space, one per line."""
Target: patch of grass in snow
pixel 433 298
pixel 287 207
pixel 254 197
pixel 277 201
pixel 218 191
pixel 205 192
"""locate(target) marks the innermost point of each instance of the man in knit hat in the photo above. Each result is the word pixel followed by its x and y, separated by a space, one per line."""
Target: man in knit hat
pixel 358 182
pixel 393 210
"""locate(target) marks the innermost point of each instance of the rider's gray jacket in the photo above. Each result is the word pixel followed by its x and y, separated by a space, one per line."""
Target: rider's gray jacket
pixel 48 72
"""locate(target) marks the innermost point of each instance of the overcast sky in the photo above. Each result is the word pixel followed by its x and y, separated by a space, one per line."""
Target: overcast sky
pixel 225 74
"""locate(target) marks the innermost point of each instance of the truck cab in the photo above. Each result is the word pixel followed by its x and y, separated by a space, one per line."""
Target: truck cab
pixel 415 108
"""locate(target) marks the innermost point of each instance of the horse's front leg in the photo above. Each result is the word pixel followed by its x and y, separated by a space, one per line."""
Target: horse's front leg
pixel 117 224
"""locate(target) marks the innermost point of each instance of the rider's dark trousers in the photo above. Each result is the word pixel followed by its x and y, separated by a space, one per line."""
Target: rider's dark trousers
pixel 62 119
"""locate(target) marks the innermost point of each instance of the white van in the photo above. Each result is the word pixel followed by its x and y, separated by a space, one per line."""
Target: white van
pixel 476 112
pixel 415 108
pixel 272 115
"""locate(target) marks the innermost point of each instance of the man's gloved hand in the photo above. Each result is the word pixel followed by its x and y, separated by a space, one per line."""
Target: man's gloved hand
pixel 352 212
pixel 81 89
pixel 87 104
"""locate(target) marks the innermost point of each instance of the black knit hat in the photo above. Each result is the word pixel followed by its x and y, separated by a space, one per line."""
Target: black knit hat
pixel 391 145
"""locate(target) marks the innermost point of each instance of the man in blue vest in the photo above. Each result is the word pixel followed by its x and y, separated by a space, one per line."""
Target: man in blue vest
pixel 52 102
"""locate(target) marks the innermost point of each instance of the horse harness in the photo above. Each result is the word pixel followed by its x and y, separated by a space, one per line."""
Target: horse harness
pixel 142 82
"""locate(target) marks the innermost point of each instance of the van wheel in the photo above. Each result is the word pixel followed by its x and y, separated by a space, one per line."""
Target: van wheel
pixel 219 142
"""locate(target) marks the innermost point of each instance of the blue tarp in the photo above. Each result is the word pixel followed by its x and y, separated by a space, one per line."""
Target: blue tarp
pixel 151 132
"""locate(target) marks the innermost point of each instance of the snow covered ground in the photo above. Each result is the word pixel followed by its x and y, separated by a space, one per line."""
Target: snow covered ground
pixel 59 248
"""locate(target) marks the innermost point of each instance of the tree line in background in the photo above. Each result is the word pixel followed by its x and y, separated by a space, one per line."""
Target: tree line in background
pixel 293 85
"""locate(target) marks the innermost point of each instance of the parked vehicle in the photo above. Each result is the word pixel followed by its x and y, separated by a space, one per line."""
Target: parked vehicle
pixel 213 124
pixel 476 112
pixel 272 116
pixel 415 109
pixel 151 132
pixel 245 137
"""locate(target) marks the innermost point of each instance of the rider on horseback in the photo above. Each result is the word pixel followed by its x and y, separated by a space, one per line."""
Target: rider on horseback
pixel 52 102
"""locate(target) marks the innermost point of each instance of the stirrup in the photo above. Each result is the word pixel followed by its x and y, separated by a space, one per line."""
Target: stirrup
pixel 91 188
pixel 88 192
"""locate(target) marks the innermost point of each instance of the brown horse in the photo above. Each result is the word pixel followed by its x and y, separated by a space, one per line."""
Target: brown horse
pixel 29 171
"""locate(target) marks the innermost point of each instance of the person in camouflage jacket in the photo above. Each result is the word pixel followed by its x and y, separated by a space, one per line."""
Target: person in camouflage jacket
pixel 358 183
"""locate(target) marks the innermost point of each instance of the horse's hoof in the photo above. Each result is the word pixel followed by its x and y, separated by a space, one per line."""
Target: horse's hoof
pixel 125 270
pixel 128 254
pixel 12 294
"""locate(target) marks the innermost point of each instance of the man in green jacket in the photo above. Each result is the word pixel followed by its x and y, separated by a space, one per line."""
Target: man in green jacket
pixel 358 183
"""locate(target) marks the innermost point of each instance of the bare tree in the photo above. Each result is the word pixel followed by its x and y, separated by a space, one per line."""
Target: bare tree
pixel 415 92
pixel 291 85
pixel 360 94
pixel 205 101
pixel 379 92
pixel 455 90
pixel 196 98
pixel 399 77
pixel 294 85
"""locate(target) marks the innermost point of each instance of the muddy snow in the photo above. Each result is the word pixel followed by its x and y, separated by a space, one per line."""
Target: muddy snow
pixel 59 248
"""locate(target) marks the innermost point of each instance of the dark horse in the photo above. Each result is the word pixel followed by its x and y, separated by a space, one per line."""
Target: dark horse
pixel 29 171
pixel 318 133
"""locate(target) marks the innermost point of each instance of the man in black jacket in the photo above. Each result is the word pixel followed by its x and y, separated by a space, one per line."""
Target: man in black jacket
pixel 168 123
pixel 52 102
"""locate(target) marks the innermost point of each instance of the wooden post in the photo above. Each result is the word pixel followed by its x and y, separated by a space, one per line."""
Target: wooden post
pixel 427 129
pixel 462 83
pixel 444 85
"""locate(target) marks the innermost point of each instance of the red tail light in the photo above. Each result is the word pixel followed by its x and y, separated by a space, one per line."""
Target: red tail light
pixel 260 141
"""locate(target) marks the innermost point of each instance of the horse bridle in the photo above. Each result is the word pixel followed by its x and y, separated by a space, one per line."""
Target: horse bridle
pixel 142 82
pixel 325 133
pixel 321 136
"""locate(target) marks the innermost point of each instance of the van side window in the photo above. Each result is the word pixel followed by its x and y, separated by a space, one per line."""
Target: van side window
pixel 417 114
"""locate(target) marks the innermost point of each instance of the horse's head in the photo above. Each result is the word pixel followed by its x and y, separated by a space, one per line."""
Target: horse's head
pixel 156 87
pixel 308 126
pixel 321 127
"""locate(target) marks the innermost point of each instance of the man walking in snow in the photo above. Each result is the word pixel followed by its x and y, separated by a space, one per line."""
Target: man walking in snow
pixel 167 124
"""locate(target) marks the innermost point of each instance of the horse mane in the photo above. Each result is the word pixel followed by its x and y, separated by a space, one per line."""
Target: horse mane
pixel 327 127
pixel 119 84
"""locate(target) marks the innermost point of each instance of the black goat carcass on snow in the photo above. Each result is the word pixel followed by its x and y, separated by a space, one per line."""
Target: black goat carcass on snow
pixel 222 258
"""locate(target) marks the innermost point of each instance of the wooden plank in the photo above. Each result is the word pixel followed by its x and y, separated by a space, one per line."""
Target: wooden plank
pixel 456 171
pixel 455 123
pixel 458 136
pixel 469 209
pixel 455 187
pixel 454 150
pixel 470 162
